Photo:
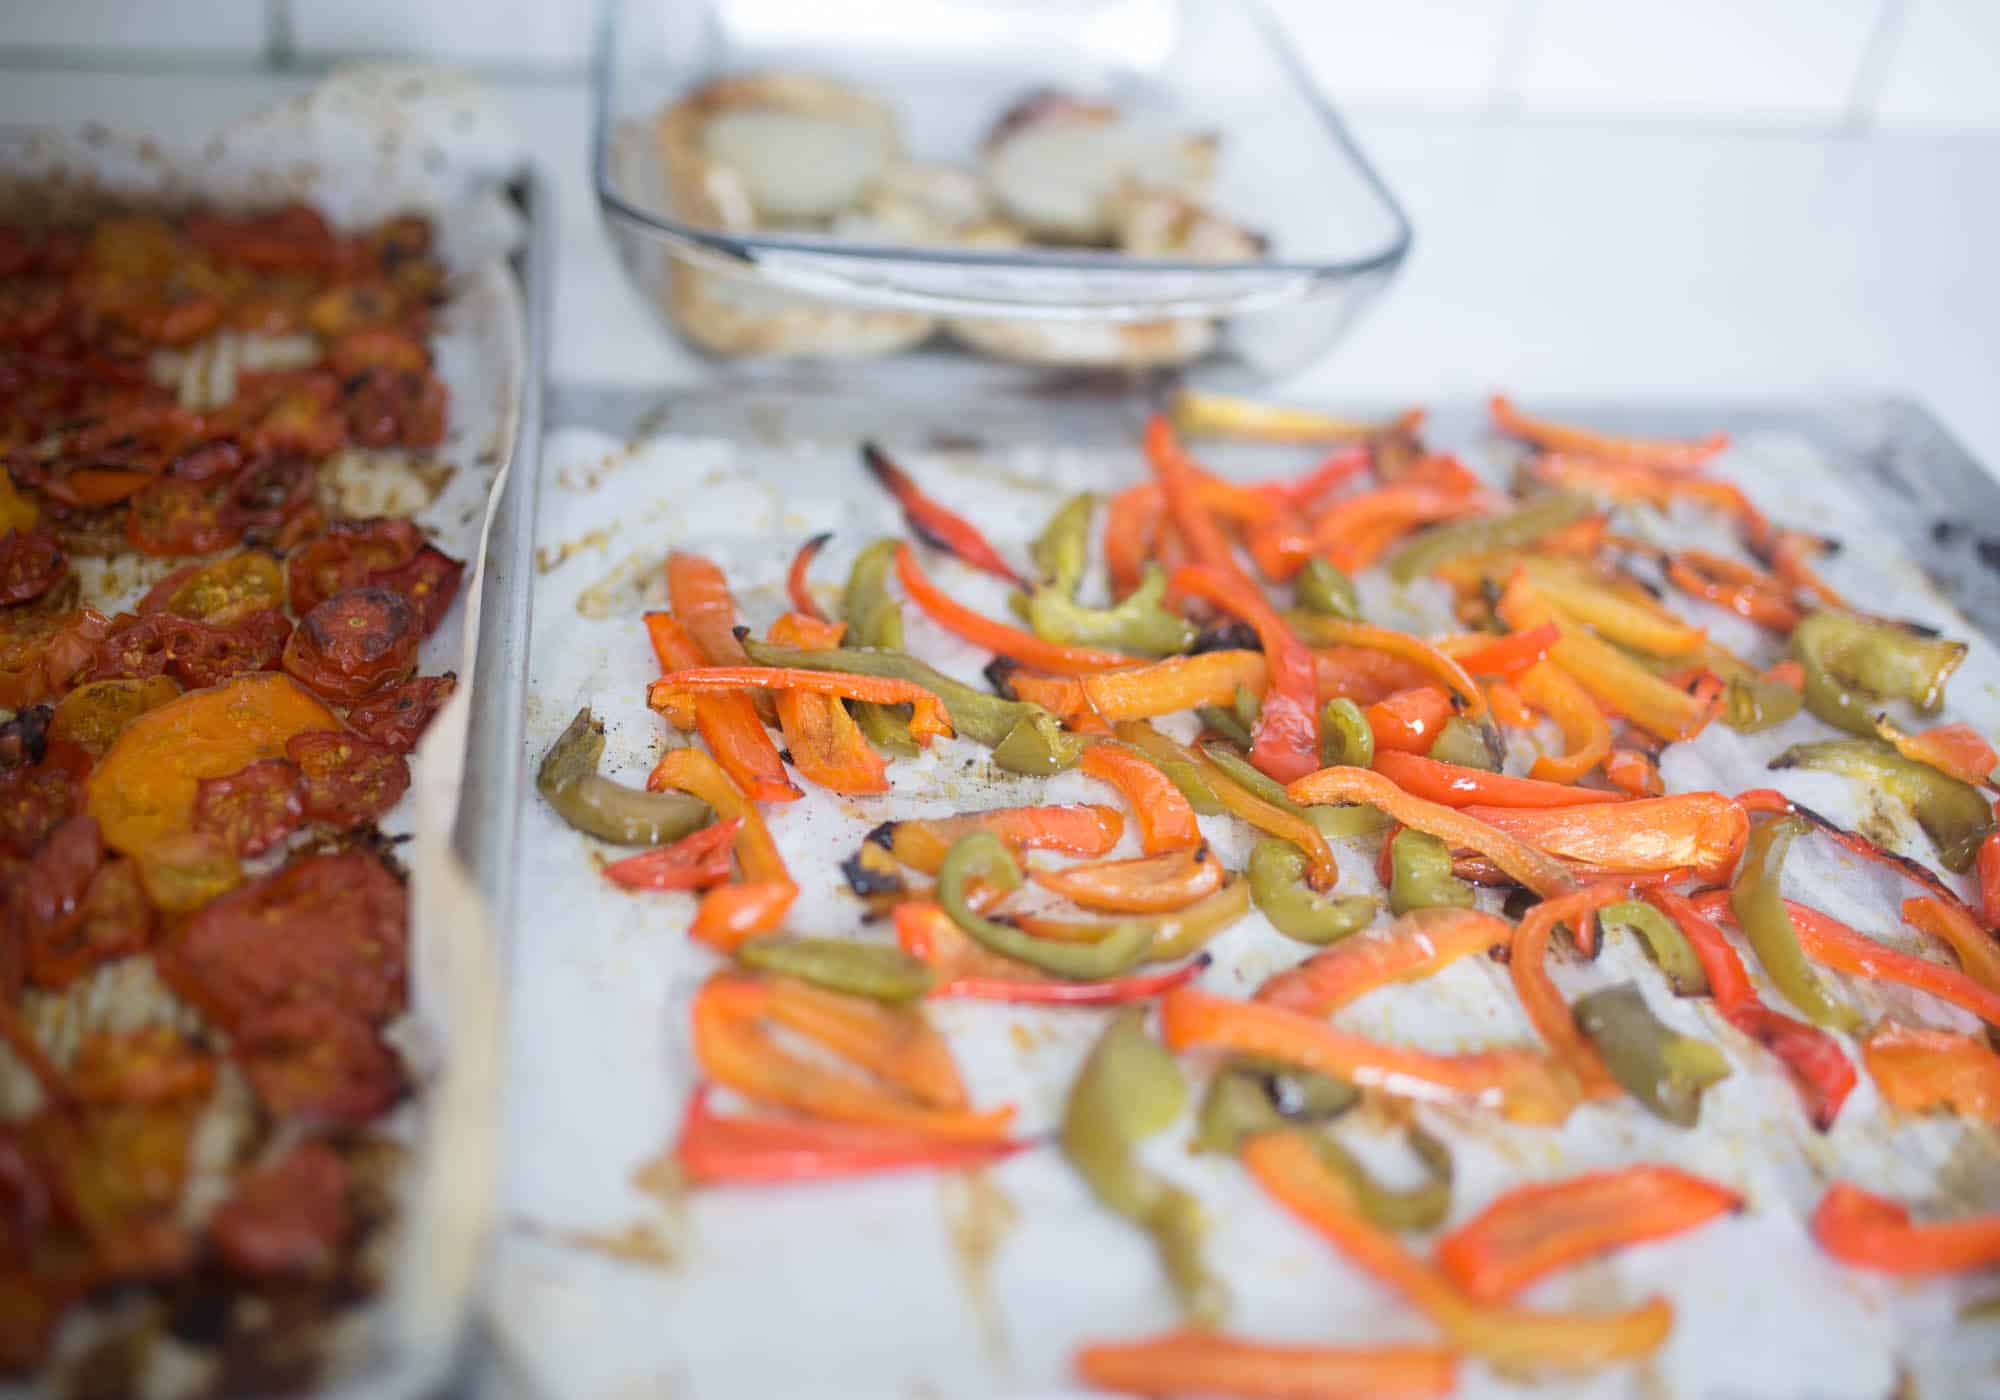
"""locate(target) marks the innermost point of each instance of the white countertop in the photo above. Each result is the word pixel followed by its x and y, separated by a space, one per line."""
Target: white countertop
pixel 1573 258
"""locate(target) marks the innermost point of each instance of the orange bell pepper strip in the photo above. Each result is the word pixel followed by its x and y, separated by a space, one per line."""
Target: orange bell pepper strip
pixel 1524 1085
pixel 1580 539
pixel 1142 885
pixel 937 525
pixel 1586 733
pixel 1075 829
pixel 1409 721
pixel 1132 524
pixel 1180 482
pixel 797 586
pixel 893 1043
pixel 965 971
pixel 698 592
pixel 1285 742
pixel 1200 1362
pixel 1867 1231
pixel 759 1150
pixel 1702 831
pixel 1634 774
pixel 1791 560
pixel 1322 871
pixel 695 862
pixel 1166 821
pixel 1418 944
pixel 1171 686
pixel 826 744
pixel 1002 638
pixel 1661 454
pixel 1530 1232
pixel 1279 546
pixel 1987 864
pixel 1958 750
pixel 728 723
pixel 731 915
pixel 1548 1012
pixel 1921 1070
pixel 1061 696
pixel 673 694
pixel 1364 675
pixel 1735 587
pixel 1509 709
pixel 1502 656
pixel 1454 785
pixel 1356 531
pixel 1617 681
pixel 1511 1339
pixel 1338 632
pixel 1332 470
pixel 1623 481
pixel 734 917
pixel 1974 947
pixel 1528 866
pixel 1637 622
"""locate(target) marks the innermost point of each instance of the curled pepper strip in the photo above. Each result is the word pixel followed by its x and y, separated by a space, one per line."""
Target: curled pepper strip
pixel 1200 1361
pixel 1156 884
pixel 728 722
pixel 672 694
pixel 727 916
pixel 1285 743
pixel 1502 656
pixel 1921 1070
pixel 1409 721
pixel 1586 734
pixel 1453 785
pixel 1072 829
pixel 1165 819
pixel 1659 454
pixel 934 524
pixel 1176 684
pixel 797 587
pixel 1509 1338
pixel 1322 871
pixel 695 862
pixel 754 1150
pixel 1321 631
pixel 1735 587
pixel 996 636
pixel 1530 1232
pixel 1867 1231
pixel 825 743
pixel 1415 946
pixel 1974 947
pixel 1540 872
pixel 1768 925
pixel 1702 831
pixel 1634 774
pixel 967 972
pixel 1541 999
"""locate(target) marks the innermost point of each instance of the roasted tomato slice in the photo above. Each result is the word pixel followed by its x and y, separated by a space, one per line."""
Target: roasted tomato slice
pixel 252 809
pixel 26 1210
pixel 399 717
pixel 118 1171
pixel 377 347
pixel 349 554
pixel 347 780
pixel 37 799
pixel 223 592
pixel 153 1064
pixel 93 715
pixel 31 563
pixel 430 581
pixel 357 642
pixel 113 921
pixel 30 307
pixel 395 408
pixel 215 654
pixel 288 1219
pixel 177 516
pixel 292 237
pixel 304 419
pixel 31 1306
pixel 269 491
pixel 317 1061
pixel 326 928
pixel 184 870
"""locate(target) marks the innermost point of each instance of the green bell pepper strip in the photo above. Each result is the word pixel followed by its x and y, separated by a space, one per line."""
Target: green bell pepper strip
pixel 1843 654
pixel 593 804
pixel 1420 874
pixel 1238 723
pixel 874 970
pixel 1325 590
pixel 1249 1096
pixel 1164 754
pixel 1062 551
pixel 1657 1065
pixel 1751 703
pixel 1414 1208
pixel 1334 821
pixel 984 856
pixel 1278 883
pixel 1664 940
pixel 1755 899
pixel 1954 814
pixel 875 619
pixel 1037 746
pixel 1139 625
pixel 1468 744
pixel 1129 1089
pixel 1345 738
pixel 1493 534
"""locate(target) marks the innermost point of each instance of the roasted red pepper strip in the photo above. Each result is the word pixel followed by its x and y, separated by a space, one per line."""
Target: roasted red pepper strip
pixel 1531 1232
pixel 1509 655
pixel 1132 533
pixel 1180 482
pixel 1143 885
pixel 1420 943
pixel 1736 587
pixel 1867 1231
pixel 1540 997
pixel 1977 953
pixel 1075 829
pixel 727 916
pixel 731 915
pixel 1921 1070
pixel 825 743
pixel 728 722
pixel 1166 822
pixel 1634 774
pixel 1662 454
pixel 749 1150
pixel 1958 750
pixel 796 585
pixel 1200 1362
pixel 1409 720
pixel 699 594
pixel 1702 831
pixel 1989 878
pixel 1285 743
pixel 674 693
pixel 968 972
pixel 1334 469
pixel 1357 531
pixel 1002 638
pixel 1914 870
pixel 1586 734
pixel 1338 632
pixel 1511 1339
pixel 1458 786
pixel 934 524
pixel 692 863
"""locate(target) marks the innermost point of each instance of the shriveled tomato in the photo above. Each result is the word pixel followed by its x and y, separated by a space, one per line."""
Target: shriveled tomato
pixel 304 420
pixel 327 928
pixel 113 921
pixel 394 408
pixel 294 236
pixel 377 347
pixel 148 435
pixel 153 1064
pixel 184 870
pixel 399 717
pixel 38 798
pixel 222 592
pixel 252 809
pixel 145 786
pixel 46 901
pixel 26 1210
pixel 177 516
pixel 72 645
pixel 267 492
pixel 208 461
pixel 93 715
pixel 354 306
pixel 31 563
pixel 347 780
pixel 193 653
pixel 288 1219
pixel 357 642
pixel 430 581
pixel 349 554
pixel 315 1060
pixel 24 641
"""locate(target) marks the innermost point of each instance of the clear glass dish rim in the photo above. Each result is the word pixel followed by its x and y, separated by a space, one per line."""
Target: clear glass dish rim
pixel 746 247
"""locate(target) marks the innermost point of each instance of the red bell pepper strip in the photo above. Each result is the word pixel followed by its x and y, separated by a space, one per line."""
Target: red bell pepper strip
pixel 934 524
pixel 1074 829
pixel 1988 864
pixel 1764 802
pixel 1003 638
pixel 1333 470
pixel 1540 997
pixel 1867 1231
pixel 1974 947
pixel 1199 1362
pixel 756 1150
pixel 1957 750
pixel 1524 1085
pixel 1659 454
pixel 1143 885
pixel 1734 586
pixel 796 585
pixel 1702 831
pixel 1166 822
pixel 1180 482
pixel 1132 525
pixel 728 723
pixel 1634 774
pixel 1586 734
pixel 1823 1076
pixel 673 694
pixel 731 915
pixel 725 919
pixel 968 972
pixel 1454 785
pixel 1285 742
pixel 1409 721
pixel 1511 1339
pixel 1418 944
pixel 699 594
pixel 1827 940
pixel 1914 870
pixel 1921 1070
pixel 1339 632
pixel 1530 1232
pixel 825 743
pixel 1509 655
pixel 694 862
pixel 1363 674
pixel 1279 546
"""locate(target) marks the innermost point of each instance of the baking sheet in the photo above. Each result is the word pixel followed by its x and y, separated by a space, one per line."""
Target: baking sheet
pixel 610 1281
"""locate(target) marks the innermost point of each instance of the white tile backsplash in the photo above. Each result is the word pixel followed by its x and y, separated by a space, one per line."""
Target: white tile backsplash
pixel 1945 66
pixel 236 28
pixel 515 33
pixel 1430 53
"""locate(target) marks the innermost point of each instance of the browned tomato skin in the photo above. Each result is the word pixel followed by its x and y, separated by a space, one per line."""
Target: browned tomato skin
pixel 346 780
pixel 430 581
pixel 399 717
pixel 114 920
pixel 252 809
pixel 359 641
pixel 316 1061
pixel 349 554
pixel 154 1064
pixel 31 563
pixel 289 1219
pixel 38 798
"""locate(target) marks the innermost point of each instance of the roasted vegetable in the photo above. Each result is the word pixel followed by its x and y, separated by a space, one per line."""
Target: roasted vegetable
pixel 1661 1068
pixel 1277 881
pixel 1854 663
pixel 1953 814
pixel 569 782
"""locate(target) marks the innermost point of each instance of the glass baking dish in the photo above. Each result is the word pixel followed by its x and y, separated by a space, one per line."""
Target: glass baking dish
pixel 1283 165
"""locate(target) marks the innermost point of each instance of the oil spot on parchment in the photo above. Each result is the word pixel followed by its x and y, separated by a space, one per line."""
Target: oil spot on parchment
pixel 978 1216
pixel 642 1242
pixel 548 560
pixel 637 582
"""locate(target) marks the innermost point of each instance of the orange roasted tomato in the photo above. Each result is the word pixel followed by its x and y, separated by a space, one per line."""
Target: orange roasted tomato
pixel 94 714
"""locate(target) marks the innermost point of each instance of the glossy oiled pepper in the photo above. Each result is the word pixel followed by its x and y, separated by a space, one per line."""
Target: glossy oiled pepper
pixel 1128 1090
pixel 871 970
pixel 1174 935
pixel 1140 625
pixel 1489 534
pixel 1919 1071
pixel 1238 723
pixel 875 619
pixel 1867 1231
pixel 1277 881
pixel 1200 1361
pixel 1062 551
pixel 1286 741
pixel 984 857
pixel 1657 1065
pixel 1420 874
pixel 1170 758
pixel 1760 912
pixel 1325 590
pixel 1075 829
pixel 1283 820
pixel 935 524
pixel 1456 786
pixel 1469 744
pixel 1751 703
pixel 593 804
pixel 1631 619
pixel 1664 941
pixel 1344 736
pixel 1414 946
pixel 1853 663
pixel 1246 1098
pixel 1953 814
pixel 758 1149
pixel 1332 822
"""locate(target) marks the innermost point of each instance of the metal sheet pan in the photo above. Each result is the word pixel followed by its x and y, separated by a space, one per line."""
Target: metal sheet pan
pixel 609 1281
